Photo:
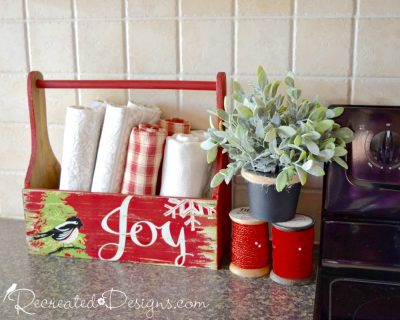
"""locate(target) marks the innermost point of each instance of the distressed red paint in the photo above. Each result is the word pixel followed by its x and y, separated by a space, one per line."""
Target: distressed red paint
pixel 92 208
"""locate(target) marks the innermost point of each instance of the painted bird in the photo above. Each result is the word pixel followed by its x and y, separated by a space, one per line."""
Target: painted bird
pixel 66 232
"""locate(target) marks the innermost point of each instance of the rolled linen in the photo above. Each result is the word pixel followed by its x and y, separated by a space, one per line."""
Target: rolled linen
pixel 175 125
pixel 111 155
pixel 81 139
pixel 145 151
pixel 185 170
pixel 148 113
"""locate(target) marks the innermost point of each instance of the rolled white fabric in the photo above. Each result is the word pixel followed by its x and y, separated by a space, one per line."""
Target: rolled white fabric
pixel 148 113
pixel 81 139
pixel 185 172
pixel 111 155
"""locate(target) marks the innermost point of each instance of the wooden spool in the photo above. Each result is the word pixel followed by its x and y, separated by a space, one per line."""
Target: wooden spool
pixel 242 216
pixel 289 282
pixel 300 224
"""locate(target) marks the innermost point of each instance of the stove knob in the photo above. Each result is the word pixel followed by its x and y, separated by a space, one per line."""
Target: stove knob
pixel 385 148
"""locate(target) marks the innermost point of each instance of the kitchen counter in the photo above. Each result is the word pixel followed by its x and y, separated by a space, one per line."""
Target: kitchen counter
pixel 62 288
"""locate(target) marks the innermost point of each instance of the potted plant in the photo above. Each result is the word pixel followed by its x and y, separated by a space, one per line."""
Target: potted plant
pixel 276 141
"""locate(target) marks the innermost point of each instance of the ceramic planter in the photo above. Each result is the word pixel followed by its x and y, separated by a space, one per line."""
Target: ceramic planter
pixel 265 202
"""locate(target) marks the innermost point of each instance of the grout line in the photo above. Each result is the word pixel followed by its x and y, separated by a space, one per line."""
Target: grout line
pixel 354 50
pixel 78 93
pixel 293 50
pixel 206 18
pixel 194 76
pixel 178 45
pixel 127 47
pixel 180 53
pixel 28 50
pixel 235 34
pixel 180 39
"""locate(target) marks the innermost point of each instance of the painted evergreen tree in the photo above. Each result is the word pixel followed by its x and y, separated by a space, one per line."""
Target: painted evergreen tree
pixel 54 212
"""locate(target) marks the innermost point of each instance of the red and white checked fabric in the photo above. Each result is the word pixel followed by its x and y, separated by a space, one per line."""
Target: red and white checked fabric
pixel 175 125
pixel 145 151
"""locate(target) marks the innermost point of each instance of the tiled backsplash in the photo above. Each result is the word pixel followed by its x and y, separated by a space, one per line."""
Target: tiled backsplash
pixel 344 51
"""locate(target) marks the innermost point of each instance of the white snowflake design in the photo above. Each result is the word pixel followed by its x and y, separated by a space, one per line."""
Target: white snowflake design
pixel 188 209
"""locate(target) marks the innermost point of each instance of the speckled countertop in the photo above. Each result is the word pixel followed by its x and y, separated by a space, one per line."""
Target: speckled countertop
pixel 224 295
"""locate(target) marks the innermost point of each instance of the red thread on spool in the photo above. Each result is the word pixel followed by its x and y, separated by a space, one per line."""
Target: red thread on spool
pixel 292 255
pixel 250 245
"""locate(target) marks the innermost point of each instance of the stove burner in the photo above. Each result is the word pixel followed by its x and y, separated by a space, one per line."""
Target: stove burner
pixel 363 299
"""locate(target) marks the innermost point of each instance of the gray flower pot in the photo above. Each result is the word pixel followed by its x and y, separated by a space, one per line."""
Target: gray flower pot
pixel 265 202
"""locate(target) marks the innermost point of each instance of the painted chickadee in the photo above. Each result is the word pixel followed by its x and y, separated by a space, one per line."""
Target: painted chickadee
pixel 66 232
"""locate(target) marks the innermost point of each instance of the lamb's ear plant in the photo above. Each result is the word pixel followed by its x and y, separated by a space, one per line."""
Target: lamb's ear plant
pixel 282 135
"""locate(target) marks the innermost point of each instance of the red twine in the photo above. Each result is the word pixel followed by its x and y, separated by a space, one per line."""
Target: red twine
pixel 250 246
pixel 292 254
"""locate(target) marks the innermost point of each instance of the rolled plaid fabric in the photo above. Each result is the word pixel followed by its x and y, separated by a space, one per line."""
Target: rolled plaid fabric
pixel 145 151
pixel 175 125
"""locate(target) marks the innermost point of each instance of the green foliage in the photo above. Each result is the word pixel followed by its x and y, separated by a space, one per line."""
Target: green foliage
pixel 278 134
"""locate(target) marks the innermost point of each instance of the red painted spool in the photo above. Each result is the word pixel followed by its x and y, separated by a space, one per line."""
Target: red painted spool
pixel 250 244
pixel 292 255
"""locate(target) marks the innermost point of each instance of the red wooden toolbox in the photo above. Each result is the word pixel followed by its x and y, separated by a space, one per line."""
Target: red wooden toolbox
pixel 186 232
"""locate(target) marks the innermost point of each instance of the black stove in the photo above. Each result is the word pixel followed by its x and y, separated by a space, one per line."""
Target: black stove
pixel 359 265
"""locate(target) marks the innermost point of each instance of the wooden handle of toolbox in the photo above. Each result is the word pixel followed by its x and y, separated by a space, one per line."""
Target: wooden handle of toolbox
pixel 44 169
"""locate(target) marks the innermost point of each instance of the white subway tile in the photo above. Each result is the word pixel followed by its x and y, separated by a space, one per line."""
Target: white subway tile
pixel 13 98
pixel 49 9
pixel 57 100
pixel 152 8
pixel 11 9
pixel 166 100
pixel 15 151
pixel 153 46
pixel 116 96
pixel 99 9
pixel 101 47
pixel 379 8
pixel 15 148
pixel 11 195
pixel 265 7
pixel 323 47
pixel 328 90
pixel 321 8
pixel 263 42
pixel 52 46
pixel 13 52
pixel 195 105
pixel 378 48
pixel 207 46
pixel 376 91
pixel 218 8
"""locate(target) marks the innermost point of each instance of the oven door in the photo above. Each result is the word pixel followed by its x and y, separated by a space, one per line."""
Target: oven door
pixel 354 244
